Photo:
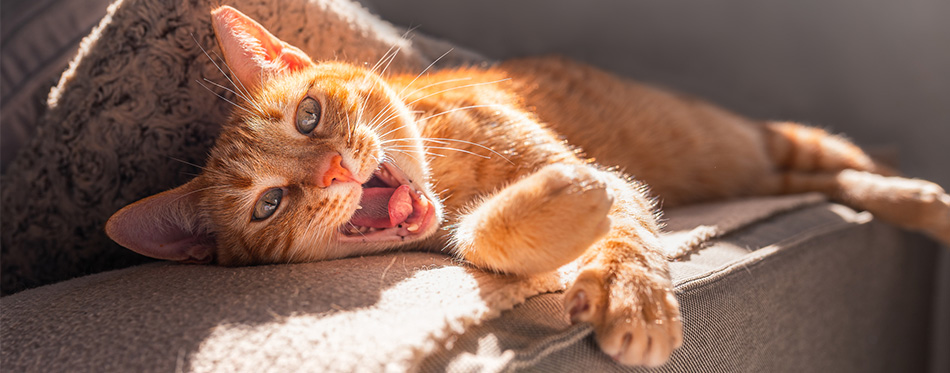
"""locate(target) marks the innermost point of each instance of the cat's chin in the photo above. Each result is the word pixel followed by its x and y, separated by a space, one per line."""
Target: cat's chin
pixel 392 209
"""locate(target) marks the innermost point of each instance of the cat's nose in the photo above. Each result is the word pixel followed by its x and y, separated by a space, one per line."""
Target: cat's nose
pixel 335 172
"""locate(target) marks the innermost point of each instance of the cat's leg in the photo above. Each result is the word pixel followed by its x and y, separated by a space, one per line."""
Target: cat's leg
pixel 624 288
pixel 605 222
pixel 910 203
pixel 811 160
pixel 538 223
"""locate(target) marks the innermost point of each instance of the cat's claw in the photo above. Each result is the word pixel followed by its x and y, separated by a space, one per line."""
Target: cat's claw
pixel 636 320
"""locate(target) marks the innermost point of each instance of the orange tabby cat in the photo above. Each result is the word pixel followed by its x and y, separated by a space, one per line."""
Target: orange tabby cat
pixel 327 160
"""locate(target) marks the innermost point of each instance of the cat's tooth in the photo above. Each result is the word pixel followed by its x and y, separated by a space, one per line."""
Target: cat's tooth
pixel 413 227
pixel 358 207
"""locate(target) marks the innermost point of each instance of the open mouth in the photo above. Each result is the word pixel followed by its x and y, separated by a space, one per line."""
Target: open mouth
pixel 391 208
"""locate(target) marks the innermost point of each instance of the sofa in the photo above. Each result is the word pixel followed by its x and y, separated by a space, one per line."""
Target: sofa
pixel 792 283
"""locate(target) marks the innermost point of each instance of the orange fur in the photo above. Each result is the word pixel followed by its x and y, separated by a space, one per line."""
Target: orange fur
pixel 485 146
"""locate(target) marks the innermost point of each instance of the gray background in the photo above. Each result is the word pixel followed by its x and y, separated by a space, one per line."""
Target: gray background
pixel 877 70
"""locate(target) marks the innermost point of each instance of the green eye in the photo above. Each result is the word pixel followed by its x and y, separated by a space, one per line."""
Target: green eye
pixel 308 115
pixel 268 203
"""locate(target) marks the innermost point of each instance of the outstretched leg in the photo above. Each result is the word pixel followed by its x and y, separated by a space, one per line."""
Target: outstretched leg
pixel 811 160
pixel 562 213
pixel 910 203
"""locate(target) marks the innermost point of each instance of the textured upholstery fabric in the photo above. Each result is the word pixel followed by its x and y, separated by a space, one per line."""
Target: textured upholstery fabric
pixel 823 289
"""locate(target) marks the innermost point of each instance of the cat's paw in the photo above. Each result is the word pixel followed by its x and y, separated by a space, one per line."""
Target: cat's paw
pixel 910 203
pixel 577 195
pixel 635 314
pixel 539 223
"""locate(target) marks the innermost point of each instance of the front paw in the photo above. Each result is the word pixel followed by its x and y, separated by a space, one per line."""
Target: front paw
pixel 539 223
pixel 635 314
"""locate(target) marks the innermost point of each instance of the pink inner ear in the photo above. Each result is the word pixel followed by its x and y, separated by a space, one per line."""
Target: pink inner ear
pixel 164 226
pixel 250 50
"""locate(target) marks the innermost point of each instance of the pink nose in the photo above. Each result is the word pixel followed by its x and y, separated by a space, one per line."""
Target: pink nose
pixel 335 172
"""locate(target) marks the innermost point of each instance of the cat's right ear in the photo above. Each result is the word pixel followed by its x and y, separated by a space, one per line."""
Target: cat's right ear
pixel 251 52
pixel 164 226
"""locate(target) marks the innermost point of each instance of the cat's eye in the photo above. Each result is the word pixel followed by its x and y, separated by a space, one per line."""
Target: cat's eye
pixel 308 115
pixel 268 203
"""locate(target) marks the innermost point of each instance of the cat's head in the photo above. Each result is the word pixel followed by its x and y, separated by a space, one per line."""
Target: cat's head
pixel 319 161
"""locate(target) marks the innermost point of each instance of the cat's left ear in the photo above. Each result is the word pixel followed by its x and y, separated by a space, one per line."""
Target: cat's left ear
pixel 166 226
pixel 251 51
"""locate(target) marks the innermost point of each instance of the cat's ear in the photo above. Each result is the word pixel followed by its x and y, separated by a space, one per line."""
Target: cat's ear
pixel 251 51
pixel 164 226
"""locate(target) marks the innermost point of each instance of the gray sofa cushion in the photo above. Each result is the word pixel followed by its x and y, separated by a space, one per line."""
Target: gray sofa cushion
pixel 817 289
pixel 822 289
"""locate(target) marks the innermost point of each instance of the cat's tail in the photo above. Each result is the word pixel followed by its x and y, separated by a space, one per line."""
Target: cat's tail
pixel 812 160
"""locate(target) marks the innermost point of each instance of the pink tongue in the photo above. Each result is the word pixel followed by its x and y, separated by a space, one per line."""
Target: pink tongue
pixel 383 207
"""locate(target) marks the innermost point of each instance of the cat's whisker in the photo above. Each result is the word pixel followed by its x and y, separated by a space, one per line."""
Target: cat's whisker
pixel 384 56
pixel 424 151
pixel 225 99
pixel 430 85
pixel 388 63
pixel 242 88
pixel 383 136
pixel 317 236
pixel 404 36
pixel 454 88
pixel 351 225
pixel 450 111
pixel 423 72
pixel 390 118
pixel 445 141
pixel 200 190
pixel 413 139
pixel 388 57
pixel 439 139
pixel 203 169
pixel 349 128
pixel 389 107
pixel 377 127
pixel 395 115
pixel 406 153
pixel 458 150
pixel 222 73
pixel 226 89
pixel 189 163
